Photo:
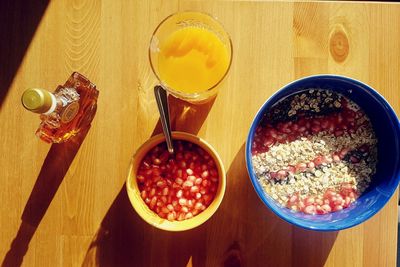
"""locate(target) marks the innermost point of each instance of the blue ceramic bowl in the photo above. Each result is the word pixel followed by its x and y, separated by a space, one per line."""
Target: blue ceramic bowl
pixel 384 182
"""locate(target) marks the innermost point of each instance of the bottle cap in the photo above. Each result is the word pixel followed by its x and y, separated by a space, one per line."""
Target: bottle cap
pixel 37 100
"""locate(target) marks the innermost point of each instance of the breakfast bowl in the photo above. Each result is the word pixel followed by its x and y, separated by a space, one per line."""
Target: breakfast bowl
pixel 180 191
pixel 368 175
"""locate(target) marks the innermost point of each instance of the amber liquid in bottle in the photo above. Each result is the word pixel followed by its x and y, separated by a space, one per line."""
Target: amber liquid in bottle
pixel 76 104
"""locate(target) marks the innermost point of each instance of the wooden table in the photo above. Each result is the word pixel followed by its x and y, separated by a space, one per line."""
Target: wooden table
pixel 66 205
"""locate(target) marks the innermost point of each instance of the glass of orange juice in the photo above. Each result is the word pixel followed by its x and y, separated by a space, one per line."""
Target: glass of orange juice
pixel 190 53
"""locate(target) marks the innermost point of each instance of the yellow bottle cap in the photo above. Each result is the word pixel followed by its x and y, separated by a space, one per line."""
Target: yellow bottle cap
pixel 37 100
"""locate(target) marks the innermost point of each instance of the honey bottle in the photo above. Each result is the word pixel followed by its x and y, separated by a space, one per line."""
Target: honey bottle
pixel 64 112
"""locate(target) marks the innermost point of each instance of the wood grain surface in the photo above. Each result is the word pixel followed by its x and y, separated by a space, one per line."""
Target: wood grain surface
pixel 66 205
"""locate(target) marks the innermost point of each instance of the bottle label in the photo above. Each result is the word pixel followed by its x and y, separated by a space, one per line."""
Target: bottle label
pixel 70 112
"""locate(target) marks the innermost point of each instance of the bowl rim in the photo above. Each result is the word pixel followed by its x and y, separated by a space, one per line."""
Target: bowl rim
pixel 257 187
pixel 143 210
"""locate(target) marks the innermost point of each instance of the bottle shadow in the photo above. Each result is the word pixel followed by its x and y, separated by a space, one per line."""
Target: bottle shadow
pixel 18 23
pixel 252 232
pixel 124 239
pixel 54 168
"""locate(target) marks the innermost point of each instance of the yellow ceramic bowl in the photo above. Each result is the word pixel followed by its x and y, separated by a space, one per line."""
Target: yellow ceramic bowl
pixel 144 211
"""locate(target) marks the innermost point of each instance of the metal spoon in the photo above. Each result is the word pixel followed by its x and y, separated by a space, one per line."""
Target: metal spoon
pixel 162 103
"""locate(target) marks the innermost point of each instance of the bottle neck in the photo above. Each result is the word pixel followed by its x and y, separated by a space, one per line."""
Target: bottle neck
pixel 39 101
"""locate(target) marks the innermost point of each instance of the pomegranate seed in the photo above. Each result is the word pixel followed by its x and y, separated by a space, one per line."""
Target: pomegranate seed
pixel 207 199
pixel 179 181
pixel 153 202
pixel 161 183
pixel 319 201
pixel 291 169
pixel 214 179
pixel 198 196
pixel 157 161
pixel 352 195
pixel 204 174
pixel 191 178
pixel 336 158
pixel 319 160
pixel 194 189
pixel 198 181
pixel 179 194
pixel 147 200
pixel 181 216
pixel 311 165
pixel 203 190
pixel 188 215
pixel 205 183
pixel 347 201
pixel 337 208
pixel 319 210
pixel 148 172
pixel 162 215
pixel 301 167
pixel 281 174
pixel 302 129
pixel 140 178
pixel 269 141
pixel 204 167
pixel 184 209
pixel 343 153
pixel 170 216
pixel 324 124
pixel 300 205
pixel 316 128
pixel 165 210
pixel 170 207
pixel 309 201
pixel 338 201
pixel 152 192
pixel 182 201
pixel 179 173
pixel 198 206
pixel 272 132
pixel 338 133
pixel 143 194
pixel 326 208
pixel 293 199
pixel 195 212
pixel 309 209
pixel 189 171
pixel 187 184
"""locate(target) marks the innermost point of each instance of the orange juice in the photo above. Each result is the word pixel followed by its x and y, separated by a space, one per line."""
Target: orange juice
pixel 192 60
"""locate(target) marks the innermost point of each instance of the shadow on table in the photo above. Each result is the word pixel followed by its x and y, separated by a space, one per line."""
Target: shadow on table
pixel 18 22
pixel 124 239
pixel 185 116
pixel 54 168
pixel 253 235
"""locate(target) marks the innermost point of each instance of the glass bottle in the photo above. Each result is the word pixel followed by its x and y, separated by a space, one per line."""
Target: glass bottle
pixel 66 111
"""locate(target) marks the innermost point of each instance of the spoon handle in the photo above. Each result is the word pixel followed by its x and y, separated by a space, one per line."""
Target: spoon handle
pixel 162 103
